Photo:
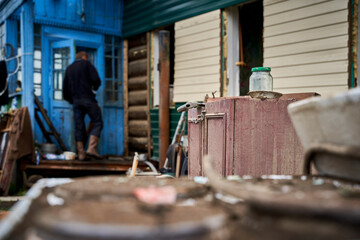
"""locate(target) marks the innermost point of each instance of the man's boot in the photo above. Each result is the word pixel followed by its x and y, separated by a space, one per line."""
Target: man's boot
pixel 80 150
pixel 91 151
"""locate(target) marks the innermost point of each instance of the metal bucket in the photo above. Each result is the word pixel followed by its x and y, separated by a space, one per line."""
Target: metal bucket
pixel 320 122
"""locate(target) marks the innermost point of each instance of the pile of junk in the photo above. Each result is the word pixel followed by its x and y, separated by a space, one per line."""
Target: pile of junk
pixel 322 203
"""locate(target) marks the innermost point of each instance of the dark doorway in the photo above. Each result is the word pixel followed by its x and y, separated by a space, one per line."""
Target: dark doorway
pixel 90 51
pixel 251 34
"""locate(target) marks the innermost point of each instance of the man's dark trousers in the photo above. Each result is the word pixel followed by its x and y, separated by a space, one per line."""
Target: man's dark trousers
pixel 81 108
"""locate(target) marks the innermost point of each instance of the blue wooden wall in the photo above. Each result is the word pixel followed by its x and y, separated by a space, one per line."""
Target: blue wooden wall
pixel 87 15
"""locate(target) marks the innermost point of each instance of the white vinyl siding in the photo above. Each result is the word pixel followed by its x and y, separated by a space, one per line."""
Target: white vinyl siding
pixel 197 57
pixel 306 44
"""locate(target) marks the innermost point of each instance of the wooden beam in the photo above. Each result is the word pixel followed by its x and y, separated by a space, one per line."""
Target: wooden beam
pixel 139 52
pixel 137 98
pixel 164 118
pixel 138 112
pixel 138 128
pixel 138 142
pixel 148 73
pixel 138 68
pixel 137 83
pixel 126 111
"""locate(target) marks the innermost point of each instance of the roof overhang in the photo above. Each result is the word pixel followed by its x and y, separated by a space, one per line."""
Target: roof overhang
pixel 8 7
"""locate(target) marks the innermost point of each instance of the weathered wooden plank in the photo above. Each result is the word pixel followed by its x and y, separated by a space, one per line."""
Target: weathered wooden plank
pixel 305 12
pixel 138 128
pixel 148 73
pixel 265 139
pixel 306 35
pixel 306 58
pixel 136 53
pixel 126 98
pixel 138 143
pixel 136 41
pixel 333 79
pixel 138 112
pixel 288 5
pixel 308 23
pixel 137 132
pixel 310 46
pixel 196 148
pixel 138 125
pixel 137 97
pixel 137 83
pixel 137 68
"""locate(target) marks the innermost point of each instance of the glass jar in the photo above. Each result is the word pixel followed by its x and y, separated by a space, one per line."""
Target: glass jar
pixel 261 79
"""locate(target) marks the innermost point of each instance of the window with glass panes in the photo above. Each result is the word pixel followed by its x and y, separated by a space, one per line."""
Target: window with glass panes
pixel 112 70
pixel 61 59
pixel 19 76
pixel 37 58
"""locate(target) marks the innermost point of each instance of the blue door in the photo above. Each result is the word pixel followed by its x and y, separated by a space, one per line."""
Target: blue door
pixel 62 54
pixel 60 47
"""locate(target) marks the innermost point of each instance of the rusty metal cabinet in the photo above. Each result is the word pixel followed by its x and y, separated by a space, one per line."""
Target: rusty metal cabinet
pixel 245 136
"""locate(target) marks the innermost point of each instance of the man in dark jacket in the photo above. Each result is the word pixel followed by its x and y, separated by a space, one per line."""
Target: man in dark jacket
pixel 80 83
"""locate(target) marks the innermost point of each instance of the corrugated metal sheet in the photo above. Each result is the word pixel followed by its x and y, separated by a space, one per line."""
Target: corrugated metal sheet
pixel 144 15
pixel 197 57
pixel 306 44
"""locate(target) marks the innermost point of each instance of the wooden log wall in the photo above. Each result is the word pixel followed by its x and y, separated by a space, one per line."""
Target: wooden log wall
pixel 138 123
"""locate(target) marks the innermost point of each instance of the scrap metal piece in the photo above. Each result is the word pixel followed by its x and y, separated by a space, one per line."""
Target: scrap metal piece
pixel 190 105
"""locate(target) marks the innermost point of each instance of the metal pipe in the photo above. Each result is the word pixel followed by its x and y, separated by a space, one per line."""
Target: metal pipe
pixel 182 118
pixel 164 128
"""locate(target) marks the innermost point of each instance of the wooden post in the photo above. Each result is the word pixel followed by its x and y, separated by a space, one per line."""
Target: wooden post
pixel 164 53
pixel 27 58
pixel 126 98
pixel 149 144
